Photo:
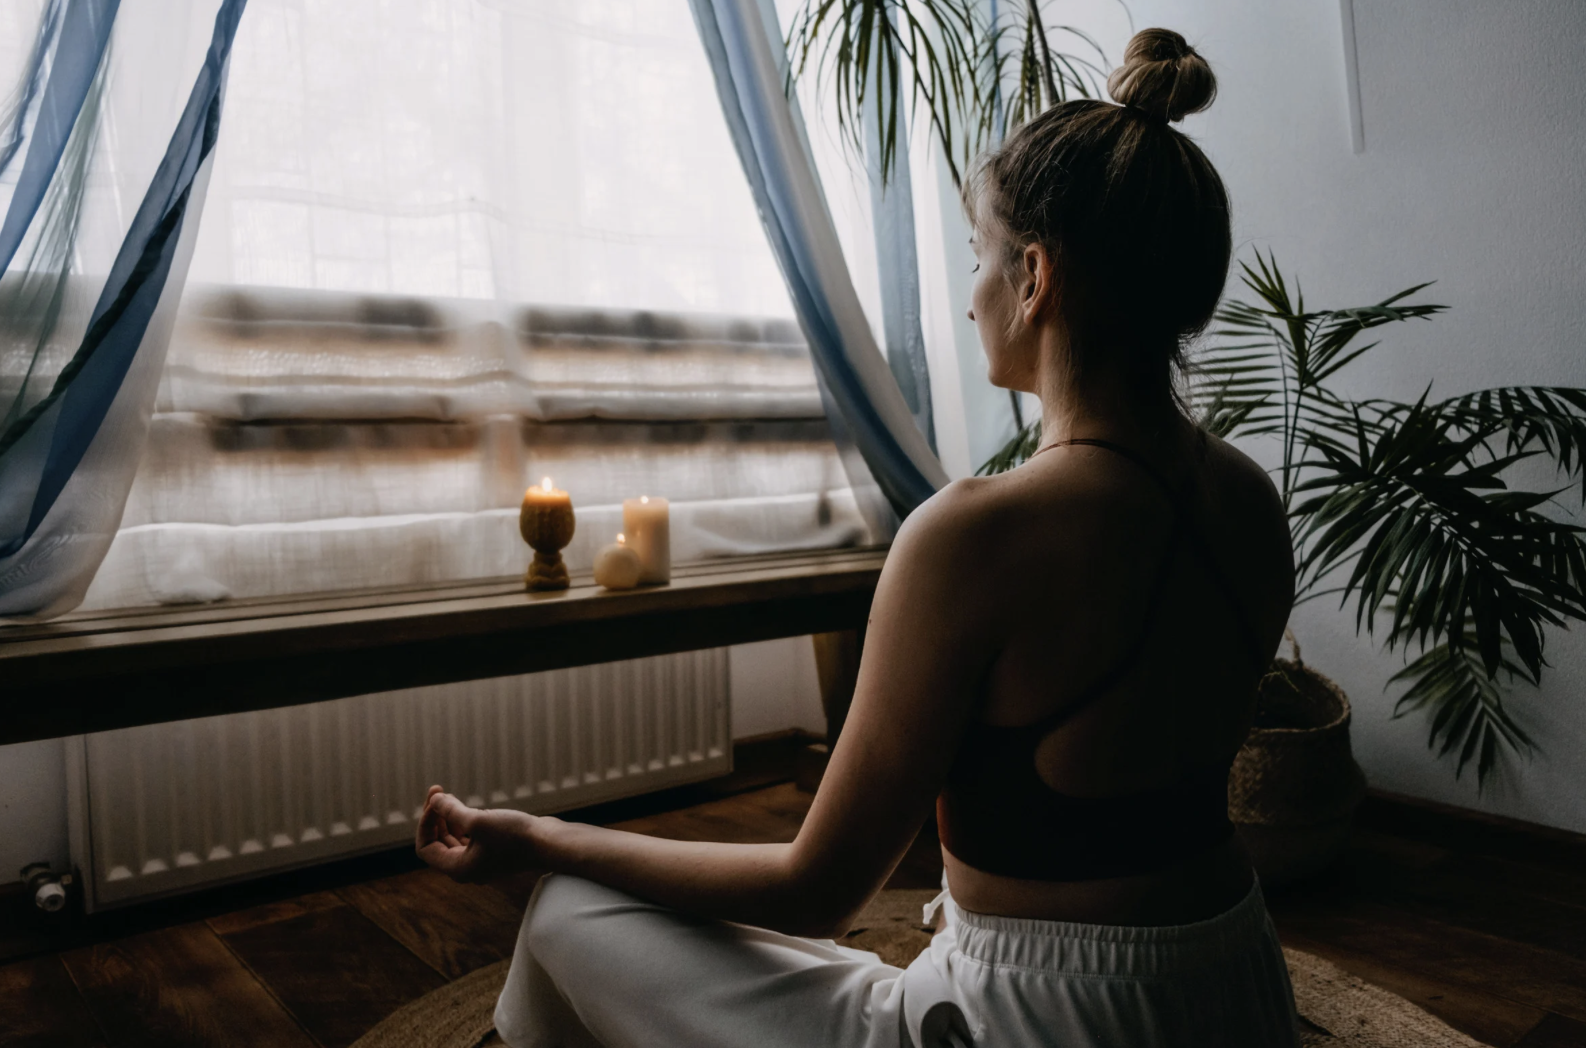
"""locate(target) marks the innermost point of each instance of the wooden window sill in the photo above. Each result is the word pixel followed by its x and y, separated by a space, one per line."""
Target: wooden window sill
pixel 115 669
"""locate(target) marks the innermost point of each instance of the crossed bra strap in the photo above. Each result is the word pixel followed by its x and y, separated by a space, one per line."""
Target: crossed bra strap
pixel 1184 529
pixel 997 814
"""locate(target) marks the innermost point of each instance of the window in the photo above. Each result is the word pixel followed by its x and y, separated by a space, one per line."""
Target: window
pixel 447 249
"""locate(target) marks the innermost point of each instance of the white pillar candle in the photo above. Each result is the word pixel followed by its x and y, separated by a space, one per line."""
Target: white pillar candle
pixel 647 523
pixel 617 566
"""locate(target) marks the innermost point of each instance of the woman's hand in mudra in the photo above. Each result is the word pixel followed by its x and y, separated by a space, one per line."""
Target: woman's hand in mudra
pixel 472 844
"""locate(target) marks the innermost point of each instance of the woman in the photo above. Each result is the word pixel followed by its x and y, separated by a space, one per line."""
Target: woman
pixel 1062 660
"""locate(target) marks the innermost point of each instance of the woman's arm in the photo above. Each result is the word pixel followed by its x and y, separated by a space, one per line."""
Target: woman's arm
pixel 933 631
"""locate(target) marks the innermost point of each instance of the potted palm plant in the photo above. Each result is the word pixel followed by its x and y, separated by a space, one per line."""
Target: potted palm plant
pixel 1403 511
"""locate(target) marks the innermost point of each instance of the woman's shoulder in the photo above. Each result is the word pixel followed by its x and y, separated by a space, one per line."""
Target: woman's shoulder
pixel 1251 528
pixel 958 515
pixel 1008 516
pixel 1239 469
pixel 1082 501
pixel 1241 488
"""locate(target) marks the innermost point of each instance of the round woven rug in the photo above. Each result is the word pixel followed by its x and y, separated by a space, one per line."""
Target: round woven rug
pixel 1339 1010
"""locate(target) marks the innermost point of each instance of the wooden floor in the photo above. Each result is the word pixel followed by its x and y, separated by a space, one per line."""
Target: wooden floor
pixel 1477 923
pixel 1476 930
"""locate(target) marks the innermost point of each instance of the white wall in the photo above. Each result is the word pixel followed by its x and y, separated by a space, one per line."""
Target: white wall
pixel 1473 175
pixel 774 688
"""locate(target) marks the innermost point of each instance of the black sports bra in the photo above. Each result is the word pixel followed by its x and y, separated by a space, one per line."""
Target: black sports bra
pixel 997 814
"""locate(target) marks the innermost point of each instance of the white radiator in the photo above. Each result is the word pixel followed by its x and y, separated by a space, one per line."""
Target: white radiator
pixel 171 807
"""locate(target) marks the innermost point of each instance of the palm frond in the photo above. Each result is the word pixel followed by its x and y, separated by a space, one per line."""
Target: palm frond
pixel 1317 343
pixel 1335 330
pixel 1419 517
pixel 1464 704
pixel 1551 419
pixel 1308 347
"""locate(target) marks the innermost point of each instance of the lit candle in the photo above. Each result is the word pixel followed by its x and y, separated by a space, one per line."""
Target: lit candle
pixel 617 566
pixel 546 523
pixel 647 523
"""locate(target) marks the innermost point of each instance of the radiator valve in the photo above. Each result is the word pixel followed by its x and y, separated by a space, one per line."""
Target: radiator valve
pixel 48 887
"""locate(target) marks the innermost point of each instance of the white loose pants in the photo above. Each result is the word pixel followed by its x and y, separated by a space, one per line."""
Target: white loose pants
pixel 597 967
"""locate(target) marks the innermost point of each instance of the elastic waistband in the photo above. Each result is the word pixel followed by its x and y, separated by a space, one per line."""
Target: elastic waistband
pixel 1112 949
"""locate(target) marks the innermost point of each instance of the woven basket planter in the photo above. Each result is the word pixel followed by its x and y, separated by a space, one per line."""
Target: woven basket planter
pixel 1295 783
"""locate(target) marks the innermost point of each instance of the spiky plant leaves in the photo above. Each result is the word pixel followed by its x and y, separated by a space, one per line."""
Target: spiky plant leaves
pixel 864 49
pixel 1423 520
pixel 1334 330
pixel 1026 75
pixel 1552 418
pixel 951 61
pixel 1285 393
pixel 1411 500
pixel 1464 705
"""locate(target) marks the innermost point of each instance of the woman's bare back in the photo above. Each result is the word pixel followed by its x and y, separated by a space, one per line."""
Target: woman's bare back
pixel 1086 537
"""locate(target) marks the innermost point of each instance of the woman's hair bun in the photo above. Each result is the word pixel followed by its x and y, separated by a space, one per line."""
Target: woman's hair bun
pixel 1162 76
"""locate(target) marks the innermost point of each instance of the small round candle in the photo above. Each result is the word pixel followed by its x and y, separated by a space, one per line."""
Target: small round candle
pixel 617 566
pixel 647 523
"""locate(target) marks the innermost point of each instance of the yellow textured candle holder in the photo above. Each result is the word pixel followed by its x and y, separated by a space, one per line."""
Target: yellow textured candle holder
pixel 546 523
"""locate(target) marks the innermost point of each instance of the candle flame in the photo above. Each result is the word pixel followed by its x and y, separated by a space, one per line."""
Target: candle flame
pixel 644 498
pixel 545 484
pixel 620 540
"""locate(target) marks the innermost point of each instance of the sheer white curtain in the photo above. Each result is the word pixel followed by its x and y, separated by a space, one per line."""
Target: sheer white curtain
pixel 537 151
pixel 451 247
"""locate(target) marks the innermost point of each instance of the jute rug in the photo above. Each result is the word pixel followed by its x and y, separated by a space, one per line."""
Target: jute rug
pixel 1339 1010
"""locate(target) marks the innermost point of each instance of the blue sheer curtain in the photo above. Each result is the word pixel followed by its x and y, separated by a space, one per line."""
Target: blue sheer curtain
pixel 898 265
pixel 869 415
pixel 76 414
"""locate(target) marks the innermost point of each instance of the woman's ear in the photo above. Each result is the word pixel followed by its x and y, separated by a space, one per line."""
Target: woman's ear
pixel 1038 285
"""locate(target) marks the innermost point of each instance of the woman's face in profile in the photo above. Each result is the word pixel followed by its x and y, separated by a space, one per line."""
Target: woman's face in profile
pixel 993 306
